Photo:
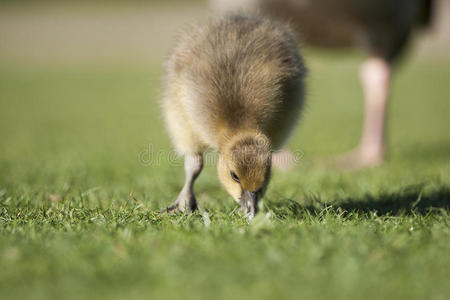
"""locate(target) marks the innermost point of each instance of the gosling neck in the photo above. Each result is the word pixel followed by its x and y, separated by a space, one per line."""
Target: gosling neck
pixel 234 138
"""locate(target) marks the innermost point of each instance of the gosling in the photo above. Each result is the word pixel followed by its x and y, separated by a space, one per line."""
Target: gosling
pixel 234 85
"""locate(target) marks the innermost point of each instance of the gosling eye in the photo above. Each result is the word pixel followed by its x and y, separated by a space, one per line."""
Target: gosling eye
pixel 235 177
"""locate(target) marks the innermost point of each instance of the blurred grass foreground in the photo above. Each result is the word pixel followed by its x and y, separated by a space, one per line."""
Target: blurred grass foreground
pixel 80 185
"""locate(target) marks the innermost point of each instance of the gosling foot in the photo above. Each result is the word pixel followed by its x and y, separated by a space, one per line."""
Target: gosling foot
pixel 185 203
pixel 284 160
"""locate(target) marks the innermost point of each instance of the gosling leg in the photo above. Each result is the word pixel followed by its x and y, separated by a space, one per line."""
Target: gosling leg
pixel 186 202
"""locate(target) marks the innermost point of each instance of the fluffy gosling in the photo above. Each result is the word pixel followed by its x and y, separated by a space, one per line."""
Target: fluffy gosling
pixel 234 85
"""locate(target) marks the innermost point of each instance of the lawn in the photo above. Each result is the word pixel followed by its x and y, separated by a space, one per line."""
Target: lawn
pixel 85 164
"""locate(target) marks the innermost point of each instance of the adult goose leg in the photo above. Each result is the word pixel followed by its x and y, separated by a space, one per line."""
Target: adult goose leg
pixel 375 78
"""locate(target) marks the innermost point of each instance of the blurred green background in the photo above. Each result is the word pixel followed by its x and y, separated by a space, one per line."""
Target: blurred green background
pixel 79 89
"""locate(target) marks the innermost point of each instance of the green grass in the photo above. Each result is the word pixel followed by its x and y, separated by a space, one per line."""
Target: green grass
pixel 78 208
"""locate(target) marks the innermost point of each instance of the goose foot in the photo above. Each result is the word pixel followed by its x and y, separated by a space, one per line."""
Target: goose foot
pixel 358 159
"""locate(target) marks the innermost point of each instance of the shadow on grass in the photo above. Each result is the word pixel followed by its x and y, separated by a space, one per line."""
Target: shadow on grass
pixel 407 201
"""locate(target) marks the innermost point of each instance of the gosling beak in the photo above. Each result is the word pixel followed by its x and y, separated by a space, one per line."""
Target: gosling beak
pixel 249 203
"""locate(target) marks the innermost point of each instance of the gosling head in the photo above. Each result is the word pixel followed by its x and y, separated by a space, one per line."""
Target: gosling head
pixel 244 169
